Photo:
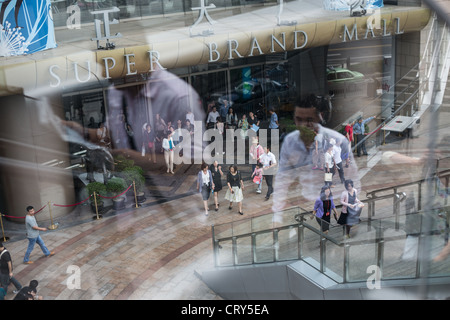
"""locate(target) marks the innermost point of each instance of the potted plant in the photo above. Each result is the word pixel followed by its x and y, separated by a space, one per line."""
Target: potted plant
pixel 136 174
pixel 98 188
pixel 121 163
pixel 115 186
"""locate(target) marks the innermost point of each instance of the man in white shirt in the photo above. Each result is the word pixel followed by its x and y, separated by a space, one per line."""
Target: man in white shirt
pixel 268 161
pixel 212 118
pixel 294 175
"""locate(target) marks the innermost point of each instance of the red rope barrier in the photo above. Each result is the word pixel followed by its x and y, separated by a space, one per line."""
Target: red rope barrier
pixel 117 195
pixel 71 205
pixel 4 215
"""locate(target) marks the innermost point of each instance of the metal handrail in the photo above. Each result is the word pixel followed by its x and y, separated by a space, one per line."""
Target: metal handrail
pixel 380 240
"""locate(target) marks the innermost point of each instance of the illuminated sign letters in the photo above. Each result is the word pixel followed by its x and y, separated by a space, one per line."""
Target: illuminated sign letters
pixel 278 43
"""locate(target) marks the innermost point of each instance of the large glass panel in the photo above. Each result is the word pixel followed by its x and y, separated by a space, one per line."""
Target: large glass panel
pixel 247 89
pixel 288 244
pixel 225 253
pixel 361 257
pixel 264 251
pixel 212 88
pixel 244 250
pixel 311 247
pixel 334 257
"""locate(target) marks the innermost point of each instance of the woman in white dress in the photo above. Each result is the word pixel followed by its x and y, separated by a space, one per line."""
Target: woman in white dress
pixel 235 187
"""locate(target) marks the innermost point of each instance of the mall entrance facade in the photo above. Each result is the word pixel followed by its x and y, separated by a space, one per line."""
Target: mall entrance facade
pixel 119 92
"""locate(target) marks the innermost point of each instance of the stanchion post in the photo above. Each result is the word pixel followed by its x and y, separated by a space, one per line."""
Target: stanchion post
pixel 135 196
pixel 3 231
pixel 52 226
pixel 96 208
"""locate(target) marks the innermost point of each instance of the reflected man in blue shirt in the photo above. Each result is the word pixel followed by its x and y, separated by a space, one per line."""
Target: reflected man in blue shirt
pixel 358 130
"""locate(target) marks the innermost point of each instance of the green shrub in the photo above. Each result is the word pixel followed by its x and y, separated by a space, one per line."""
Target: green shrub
pixel 136 174
pixel 121 163
pixel 98 188
pixel 116 185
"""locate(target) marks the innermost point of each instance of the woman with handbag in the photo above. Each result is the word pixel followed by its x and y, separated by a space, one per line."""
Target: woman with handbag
pixel 231 119
pixel 235 187
pixel 323 207
pixel 351 207
pixel 216 171
pixel 168 146
pixel 149 142
pixel 205 184
pixel 160 130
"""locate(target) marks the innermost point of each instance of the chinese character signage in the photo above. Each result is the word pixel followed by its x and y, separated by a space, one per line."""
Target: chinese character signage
pixel 25 27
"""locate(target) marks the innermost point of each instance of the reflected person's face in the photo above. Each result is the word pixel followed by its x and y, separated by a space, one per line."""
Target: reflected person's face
pixel 306 117
pixel 306 120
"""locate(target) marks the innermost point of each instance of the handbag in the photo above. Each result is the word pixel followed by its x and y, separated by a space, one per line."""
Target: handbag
pixel 328 176
pixel 257 179
pixel 151 145
pixel 342 218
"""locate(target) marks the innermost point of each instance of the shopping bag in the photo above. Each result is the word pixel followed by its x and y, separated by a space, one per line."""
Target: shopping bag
pixel 328 177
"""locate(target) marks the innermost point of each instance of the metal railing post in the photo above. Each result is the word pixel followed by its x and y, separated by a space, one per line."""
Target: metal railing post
pixel 380 248
pixel 215 246
pixel 346 273
pixel 276 244
pixel 300 235
pixel 254 260
pixel 234 250
pixel 419 197
pixel 323 253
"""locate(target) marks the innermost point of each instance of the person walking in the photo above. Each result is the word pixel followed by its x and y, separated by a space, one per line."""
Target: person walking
pixel 351 207
pixel 256 151
pixel 294 172
pixel 205 184
pixel 318 154
pixel 235 186
pixel 224 108
pixel 359 131
pixel 6 270
pixel 160 125
pixel 323 207
pixel 216 171
pixel 212 118
pixel 268 161
pixel 328 164
pixel 273 124
pixel 252 119
pixel 350 137
pixel 231 119
pixel 33 236
pixel 257 176
pixel 149 142
pixel 168 146
pixel 29 292
pixel 337 159
pixel 243 125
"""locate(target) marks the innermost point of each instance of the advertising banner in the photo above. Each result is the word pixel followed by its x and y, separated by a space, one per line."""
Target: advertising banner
pixel 25 27
pixel 342 5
